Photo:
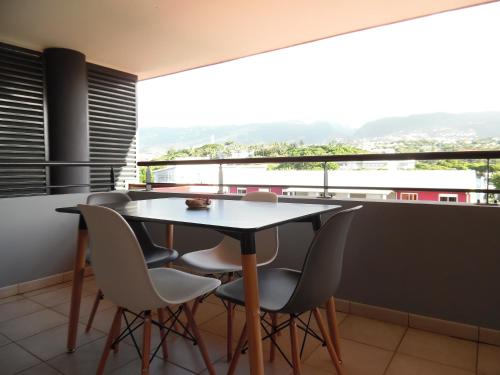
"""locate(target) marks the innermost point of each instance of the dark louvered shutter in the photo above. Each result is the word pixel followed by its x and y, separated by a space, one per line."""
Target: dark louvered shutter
pixel 113 125
pixel 22 125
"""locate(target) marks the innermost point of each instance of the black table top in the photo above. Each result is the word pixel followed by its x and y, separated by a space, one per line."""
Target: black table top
pixel 225 215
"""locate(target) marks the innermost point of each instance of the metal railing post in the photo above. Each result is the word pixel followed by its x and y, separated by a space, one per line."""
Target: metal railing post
pixel 325 180
pixel 488 181
pixel 221 180
pixel 148 179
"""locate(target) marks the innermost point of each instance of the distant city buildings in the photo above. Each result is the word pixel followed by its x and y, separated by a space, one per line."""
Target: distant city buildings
pixel 363 180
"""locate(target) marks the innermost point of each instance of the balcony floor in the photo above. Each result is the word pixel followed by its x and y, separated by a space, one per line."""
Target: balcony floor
pixel 33 333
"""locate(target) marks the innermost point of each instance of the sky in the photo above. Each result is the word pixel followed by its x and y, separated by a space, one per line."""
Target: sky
pixel 448 62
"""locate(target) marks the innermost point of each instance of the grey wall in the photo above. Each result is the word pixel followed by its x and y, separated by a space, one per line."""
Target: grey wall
pixel 435 260
pixel 36 241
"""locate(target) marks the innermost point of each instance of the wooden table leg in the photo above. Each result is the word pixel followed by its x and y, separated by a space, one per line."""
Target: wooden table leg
pixel 252 310
pixel 170 236
pixel 333 326
pixel 169 242
pixel 76 293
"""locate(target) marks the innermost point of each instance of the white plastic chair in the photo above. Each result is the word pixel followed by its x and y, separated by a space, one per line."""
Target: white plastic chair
pixel 122 275
pixel 154 255
pixel 224 259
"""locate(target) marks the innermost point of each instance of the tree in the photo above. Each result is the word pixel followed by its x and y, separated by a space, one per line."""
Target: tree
pixel 495 180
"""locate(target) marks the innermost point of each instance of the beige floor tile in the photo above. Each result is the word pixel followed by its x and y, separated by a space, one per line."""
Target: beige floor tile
pixel 52 342
pixel 85 360
pixel 56 297
pixel 102 319
pixel 18 308
pixel 218 325
pixel 372 332
pixel 14 359
pixel 277 367
pixel 85 307
pixel 308 370
pixel 183 353
pixel 357 359
pixel 406 365
pixel 28 325
pixel 438 348
pixel 90 285
pixel 41 369
pixel 157 367
pixel 207 311
pixel 4 340
pixel 488 360
pixel 212 298
pixel 340 317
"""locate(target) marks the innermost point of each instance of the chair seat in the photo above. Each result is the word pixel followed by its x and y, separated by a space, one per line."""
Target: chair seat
pixel 177 287
pixel 213 262
pixel 158 256
pixel 276 286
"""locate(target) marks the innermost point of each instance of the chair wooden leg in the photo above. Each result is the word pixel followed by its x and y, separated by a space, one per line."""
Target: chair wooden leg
pixel 146 343
pixel 274 324
pixel 97 299
pixel 164 348
pixel 196 304
pixel 116 334
pixel 229 343
pixel 229 331
pixel 295 347
pixel 326 337
pixel 237 352
pixel 109 341
pixel 199 339
pixel 77 287
pixel 333 325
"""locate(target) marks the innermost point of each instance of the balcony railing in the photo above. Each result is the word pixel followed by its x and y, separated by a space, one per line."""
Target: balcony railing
pixel 487 156
pixel 47 164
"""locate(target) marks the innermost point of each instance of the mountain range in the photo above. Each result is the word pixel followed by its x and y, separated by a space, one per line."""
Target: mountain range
pixel 430 125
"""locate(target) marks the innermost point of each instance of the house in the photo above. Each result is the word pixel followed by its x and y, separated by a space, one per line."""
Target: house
pixel 364 184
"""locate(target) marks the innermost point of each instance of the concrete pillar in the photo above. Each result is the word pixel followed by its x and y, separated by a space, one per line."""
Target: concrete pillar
pixel 66 89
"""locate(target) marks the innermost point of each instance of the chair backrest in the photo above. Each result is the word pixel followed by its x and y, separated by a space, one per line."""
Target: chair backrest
pixel 117 260
pixel 322 269
pixel 97 199
pixel 138 227
pixel 266 241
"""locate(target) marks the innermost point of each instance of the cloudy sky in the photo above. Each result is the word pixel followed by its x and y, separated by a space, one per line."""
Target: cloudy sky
pixel 448 63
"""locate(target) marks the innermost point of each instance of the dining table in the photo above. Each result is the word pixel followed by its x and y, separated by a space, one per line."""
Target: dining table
pixel 238 219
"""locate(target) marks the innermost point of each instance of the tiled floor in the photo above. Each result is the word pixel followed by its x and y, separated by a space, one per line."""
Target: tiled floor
pixel 33 335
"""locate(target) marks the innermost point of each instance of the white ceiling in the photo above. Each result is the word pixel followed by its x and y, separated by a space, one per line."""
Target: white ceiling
pixel 157 37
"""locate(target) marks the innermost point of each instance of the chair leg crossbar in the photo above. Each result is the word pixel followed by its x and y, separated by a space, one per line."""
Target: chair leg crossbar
pixel 294 321
pixel 188 331
pixel 270 333
pixel 230 307
pixel 167 325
